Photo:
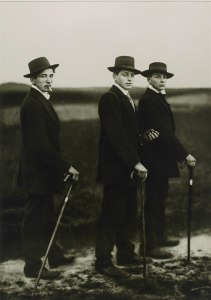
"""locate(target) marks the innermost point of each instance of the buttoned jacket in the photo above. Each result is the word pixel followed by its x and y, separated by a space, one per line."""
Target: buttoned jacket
pixel 119 145
pixel 41 167
pixel 162 154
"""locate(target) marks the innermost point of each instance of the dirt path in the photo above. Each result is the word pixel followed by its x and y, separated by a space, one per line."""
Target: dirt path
pixel 166 279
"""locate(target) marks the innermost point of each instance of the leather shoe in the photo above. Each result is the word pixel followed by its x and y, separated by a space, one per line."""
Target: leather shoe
pixel 159 254
pixel 113 271
pixel 169 243
pixel 133 260
pixel 63 260
pixel 46 274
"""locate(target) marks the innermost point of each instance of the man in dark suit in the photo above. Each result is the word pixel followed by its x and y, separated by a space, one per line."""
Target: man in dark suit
pixel 161 157
pixel 119 156
pixel 42 170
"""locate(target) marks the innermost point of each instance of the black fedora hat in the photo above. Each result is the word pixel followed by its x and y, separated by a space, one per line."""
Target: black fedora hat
pixel 39 64
pixel 157 67
pixel 124 63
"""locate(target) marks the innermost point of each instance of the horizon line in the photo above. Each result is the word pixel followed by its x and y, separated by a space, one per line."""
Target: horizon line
pixel 90 87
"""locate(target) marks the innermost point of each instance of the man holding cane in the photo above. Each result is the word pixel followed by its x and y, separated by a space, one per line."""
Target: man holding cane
pixel 120 149
pixel 161 157
pixel 42 170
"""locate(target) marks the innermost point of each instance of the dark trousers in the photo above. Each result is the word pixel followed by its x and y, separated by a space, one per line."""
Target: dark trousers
pixel 156 194
pixel 116 223
pixel 38 226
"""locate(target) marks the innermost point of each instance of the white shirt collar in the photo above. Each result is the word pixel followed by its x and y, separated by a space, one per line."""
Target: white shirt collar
pixel 45 94
pixel 152 88
pixel 125 92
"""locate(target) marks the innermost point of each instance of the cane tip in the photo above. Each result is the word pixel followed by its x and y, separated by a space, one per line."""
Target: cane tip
pixel 33 293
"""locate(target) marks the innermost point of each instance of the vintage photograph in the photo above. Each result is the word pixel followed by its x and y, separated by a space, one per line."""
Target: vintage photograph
pixel 105 181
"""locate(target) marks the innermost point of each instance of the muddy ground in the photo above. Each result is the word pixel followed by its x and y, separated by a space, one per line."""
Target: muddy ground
pixel 165 279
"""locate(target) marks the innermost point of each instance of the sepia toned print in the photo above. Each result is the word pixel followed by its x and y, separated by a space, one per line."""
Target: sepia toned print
pixel 84 38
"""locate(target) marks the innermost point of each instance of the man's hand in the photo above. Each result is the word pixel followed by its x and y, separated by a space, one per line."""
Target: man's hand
pixel 150 135
pixel 74 173
pixel 190 160
pixel 141 171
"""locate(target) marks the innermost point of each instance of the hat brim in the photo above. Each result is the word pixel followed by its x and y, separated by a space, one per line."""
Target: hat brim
pixel 40 70
pixel 148 73
pixel 114 69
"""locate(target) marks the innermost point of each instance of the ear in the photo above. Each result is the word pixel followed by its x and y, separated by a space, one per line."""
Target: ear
pixel 114 76
pixel 32 79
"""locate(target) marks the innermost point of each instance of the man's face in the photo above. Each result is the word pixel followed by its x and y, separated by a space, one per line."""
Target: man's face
pixel 125 79
pixel 158 81
pixel 44 80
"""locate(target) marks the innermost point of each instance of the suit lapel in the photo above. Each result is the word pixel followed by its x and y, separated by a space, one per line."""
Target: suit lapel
pixel 46 103
pixel 168 108
pixel 164 104
pixel 126 103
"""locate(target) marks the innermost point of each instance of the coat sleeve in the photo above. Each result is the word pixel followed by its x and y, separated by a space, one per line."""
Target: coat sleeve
pixel 156 118
pixel 112 124
pixel 33 122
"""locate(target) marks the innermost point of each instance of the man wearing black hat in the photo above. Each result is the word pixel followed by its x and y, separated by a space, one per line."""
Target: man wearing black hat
pixel 161 157
pixel 119 156
pixel 42 170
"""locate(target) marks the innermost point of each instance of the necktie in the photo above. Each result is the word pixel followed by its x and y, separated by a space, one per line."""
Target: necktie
pixel 131 101
pixel 47 95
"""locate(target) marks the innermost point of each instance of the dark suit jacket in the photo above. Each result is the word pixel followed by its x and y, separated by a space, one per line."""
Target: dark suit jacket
pixel 41 168
pixel 162 154
pixel 119 145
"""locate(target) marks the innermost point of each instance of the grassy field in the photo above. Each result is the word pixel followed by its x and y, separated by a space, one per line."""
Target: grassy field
pixel 12 94
pixel 79 141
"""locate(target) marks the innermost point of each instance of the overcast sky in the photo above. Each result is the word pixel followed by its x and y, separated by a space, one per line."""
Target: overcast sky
pixel 85 37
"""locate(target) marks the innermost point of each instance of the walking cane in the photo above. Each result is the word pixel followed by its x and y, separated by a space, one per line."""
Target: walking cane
pixel 190 192
pixel 143 229
pixel 54 233
pixel 140 183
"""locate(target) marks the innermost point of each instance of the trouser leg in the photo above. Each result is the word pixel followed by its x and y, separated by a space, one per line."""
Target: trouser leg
pixel 161 216
pixel 156 194
pixel 125 248
pixel 38 227
pixel 113 223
